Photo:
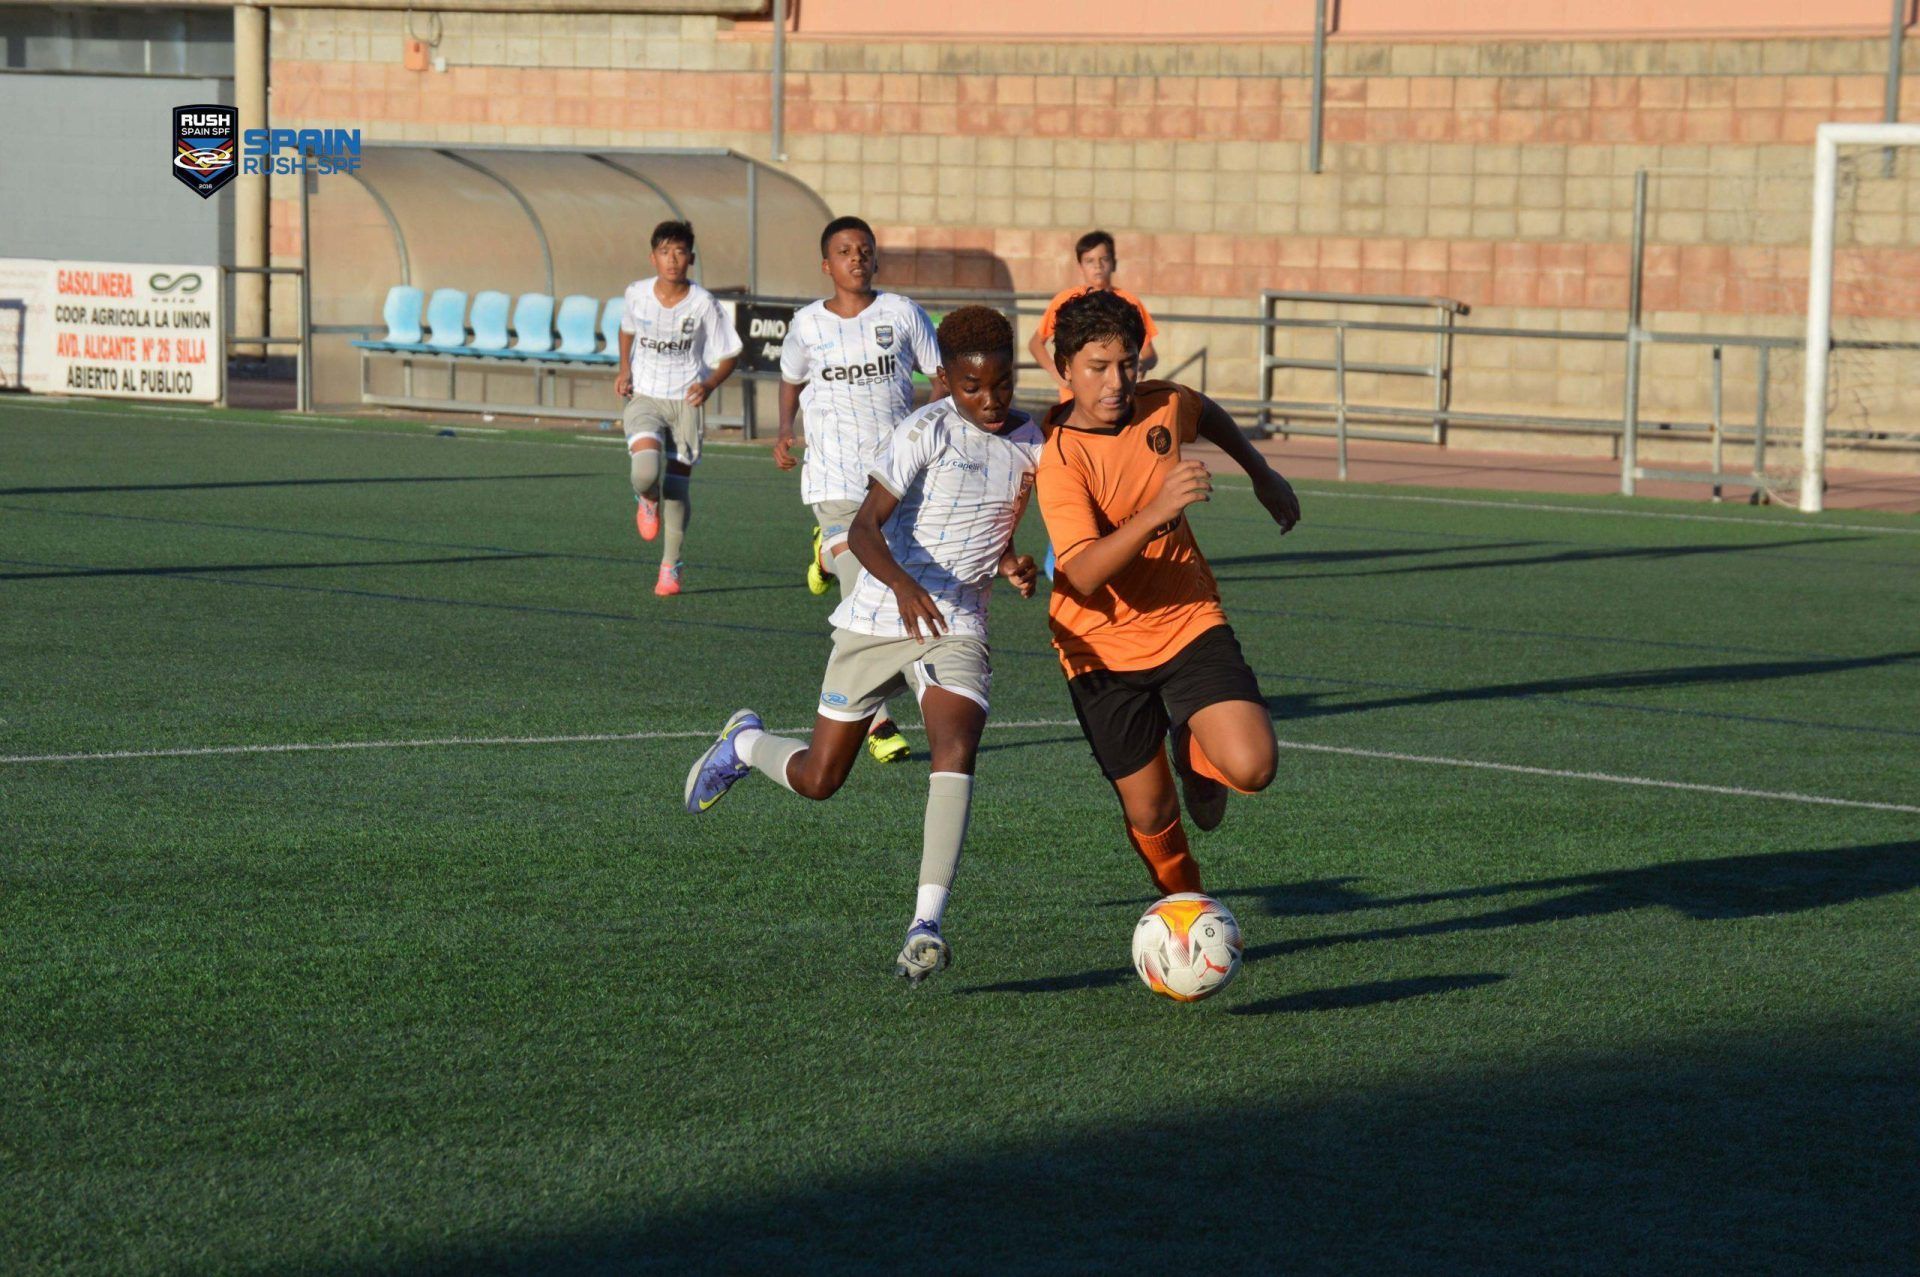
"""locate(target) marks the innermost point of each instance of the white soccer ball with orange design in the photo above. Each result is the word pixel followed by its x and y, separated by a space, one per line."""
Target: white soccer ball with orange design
pixel 1187 947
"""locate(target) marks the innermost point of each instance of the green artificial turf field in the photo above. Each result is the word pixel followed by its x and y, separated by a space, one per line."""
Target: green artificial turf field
pixel 272 1006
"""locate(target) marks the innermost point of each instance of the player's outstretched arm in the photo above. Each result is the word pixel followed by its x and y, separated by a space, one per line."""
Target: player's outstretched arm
pixel 869 545
pixel 1218 428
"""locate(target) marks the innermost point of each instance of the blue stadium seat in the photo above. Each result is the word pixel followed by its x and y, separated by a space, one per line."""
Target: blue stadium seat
pixel 489 320
pixel 610 316
pixel 532 326
pixel 447 319
pixel 402 313
pixel 578 339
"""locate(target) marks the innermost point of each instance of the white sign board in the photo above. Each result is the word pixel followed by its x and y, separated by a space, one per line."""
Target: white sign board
pixel 116 329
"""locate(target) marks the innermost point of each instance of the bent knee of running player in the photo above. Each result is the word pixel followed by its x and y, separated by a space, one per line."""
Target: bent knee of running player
pixel 1237 738
pixel 820 769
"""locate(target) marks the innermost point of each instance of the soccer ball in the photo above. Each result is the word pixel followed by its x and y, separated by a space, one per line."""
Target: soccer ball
pixel 1187 947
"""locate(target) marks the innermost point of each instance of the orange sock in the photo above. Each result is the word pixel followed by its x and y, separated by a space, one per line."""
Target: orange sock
pixel 1200 764
pixel 1169 863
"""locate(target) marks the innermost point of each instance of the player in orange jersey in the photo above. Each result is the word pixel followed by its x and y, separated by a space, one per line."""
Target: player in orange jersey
pixel 1097 259
pixel 1151 663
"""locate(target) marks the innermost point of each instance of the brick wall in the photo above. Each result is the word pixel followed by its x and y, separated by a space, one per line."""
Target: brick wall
pixel 1496 173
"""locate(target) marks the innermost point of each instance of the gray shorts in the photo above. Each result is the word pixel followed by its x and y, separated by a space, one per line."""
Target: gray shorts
pixel 677 424
pixel 865 670
pixel 835 519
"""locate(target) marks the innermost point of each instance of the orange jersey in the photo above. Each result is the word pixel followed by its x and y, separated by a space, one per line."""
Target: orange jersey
pixel 1091 482
pixel 1062 298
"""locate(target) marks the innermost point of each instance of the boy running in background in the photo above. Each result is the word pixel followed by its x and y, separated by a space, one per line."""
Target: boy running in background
pixel 935 529
pixel 847 365
pixel 1152 665
pixel 676 347
pixel 1094 254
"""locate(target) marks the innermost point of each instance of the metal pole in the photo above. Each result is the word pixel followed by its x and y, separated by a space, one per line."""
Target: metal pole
pixel 1630 422
pixel 753 228
pixel 1719 368
pixel 779 146
pixel 1319 83
pixel 1760 417
pixel 1442 318
pixel 1895 40
pixel 1340 394
pixel 303 393
pixel 1813 429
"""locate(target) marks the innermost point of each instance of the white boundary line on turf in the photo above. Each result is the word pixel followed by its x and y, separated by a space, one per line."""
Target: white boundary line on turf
pixel 1807 524
pixel 1384 755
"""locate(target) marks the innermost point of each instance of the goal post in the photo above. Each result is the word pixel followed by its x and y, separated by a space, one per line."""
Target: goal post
pixel 1828 139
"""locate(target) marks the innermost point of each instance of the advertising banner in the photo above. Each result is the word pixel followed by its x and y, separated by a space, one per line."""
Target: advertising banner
pixel 112 329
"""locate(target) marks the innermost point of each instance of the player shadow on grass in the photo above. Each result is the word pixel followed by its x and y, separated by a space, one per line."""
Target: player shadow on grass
pixel 193 569
pixel 1704 890
pixel 1653 552
pixel 1787 1150
pixel 1298 705
pixel 73 489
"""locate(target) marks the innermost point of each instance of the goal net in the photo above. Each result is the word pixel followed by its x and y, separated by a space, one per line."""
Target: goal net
pixel 1862 383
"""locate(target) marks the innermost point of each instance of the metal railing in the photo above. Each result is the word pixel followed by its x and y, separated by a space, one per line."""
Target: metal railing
pixel 302 342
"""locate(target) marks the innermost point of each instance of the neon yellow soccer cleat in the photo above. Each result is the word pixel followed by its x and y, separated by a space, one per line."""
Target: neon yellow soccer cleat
pixel 889 746
pixel 817 581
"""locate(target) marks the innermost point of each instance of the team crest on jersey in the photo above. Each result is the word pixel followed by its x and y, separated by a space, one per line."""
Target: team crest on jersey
pixel 686 326
pixel 883 336
pixel 1160 439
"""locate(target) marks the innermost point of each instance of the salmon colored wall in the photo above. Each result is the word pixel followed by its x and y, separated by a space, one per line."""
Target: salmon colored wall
pixel 1368 19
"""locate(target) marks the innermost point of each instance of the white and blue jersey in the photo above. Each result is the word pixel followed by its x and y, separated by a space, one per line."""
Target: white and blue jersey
pixel 858 375
pixel 961 491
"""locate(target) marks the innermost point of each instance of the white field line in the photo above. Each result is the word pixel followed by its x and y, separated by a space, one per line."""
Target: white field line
pixel 1542 507
pixel 1431 760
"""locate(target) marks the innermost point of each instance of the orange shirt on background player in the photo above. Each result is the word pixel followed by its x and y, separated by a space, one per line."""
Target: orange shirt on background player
pixel 1090 482
pixel 1045 330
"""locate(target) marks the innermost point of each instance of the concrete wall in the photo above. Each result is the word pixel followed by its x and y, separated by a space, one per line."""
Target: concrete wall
pixel 1496 172
pixel 105 145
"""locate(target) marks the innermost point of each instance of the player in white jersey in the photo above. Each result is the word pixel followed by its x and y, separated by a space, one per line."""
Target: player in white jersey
pixel 676 347
pixel 935 529
pixel 847 365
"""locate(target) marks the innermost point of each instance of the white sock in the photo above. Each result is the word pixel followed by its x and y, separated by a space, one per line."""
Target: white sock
pixel 767 754
pixel 930 903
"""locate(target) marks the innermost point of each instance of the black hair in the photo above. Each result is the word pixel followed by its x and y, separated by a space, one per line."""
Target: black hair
pixel 974 330
pixel 839 224
pixel 672 233
pixel 1092 240
pixel 1093 317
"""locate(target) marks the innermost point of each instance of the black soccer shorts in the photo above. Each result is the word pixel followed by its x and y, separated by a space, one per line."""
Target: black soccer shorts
pixel 1126 714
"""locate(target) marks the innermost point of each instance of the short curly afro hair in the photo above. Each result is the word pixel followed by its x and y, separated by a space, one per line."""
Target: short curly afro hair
pixel 1093 317
pixel 974 330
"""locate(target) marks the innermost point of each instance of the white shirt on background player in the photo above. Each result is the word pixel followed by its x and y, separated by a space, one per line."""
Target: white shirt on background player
pixel 675 346
pixel 858 378
pixel 960 490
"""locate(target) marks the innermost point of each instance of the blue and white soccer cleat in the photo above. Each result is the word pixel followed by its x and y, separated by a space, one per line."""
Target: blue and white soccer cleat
pixel 924 953
pixel 717 769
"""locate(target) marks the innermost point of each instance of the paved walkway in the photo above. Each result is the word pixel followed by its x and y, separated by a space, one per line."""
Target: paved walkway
pixel 1425 466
